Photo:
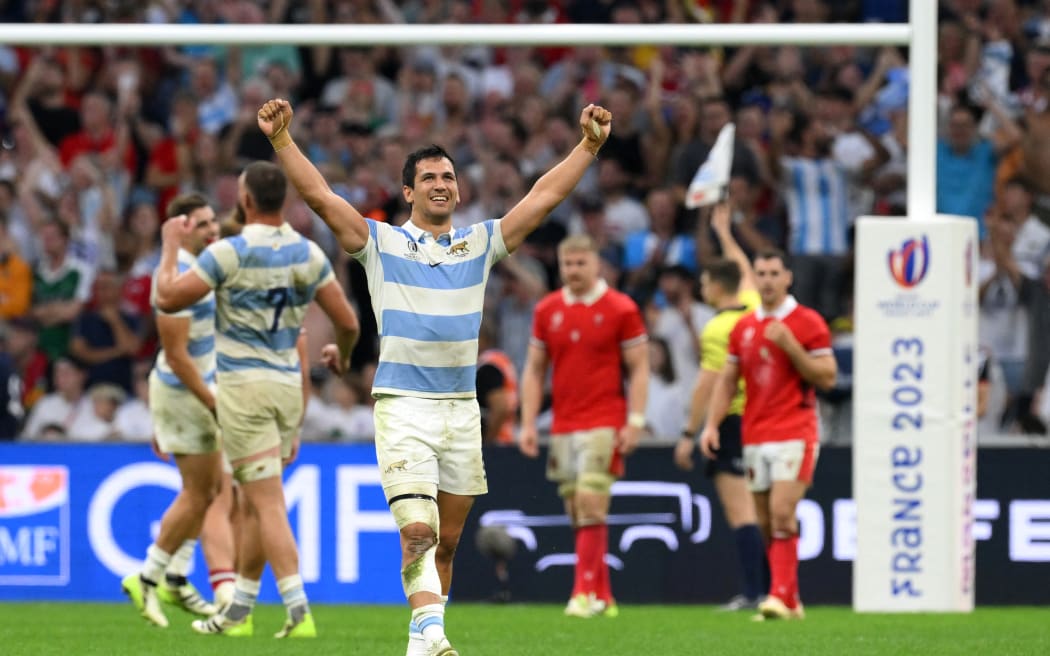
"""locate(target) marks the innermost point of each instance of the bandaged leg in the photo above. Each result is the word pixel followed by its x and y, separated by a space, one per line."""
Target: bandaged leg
pixel 417 519
pixel 416 515
pixel 257 469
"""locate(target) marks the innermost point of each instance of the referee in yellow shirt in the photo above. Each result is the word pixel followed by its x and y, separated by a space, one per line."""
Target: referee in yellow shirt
pixel 728 285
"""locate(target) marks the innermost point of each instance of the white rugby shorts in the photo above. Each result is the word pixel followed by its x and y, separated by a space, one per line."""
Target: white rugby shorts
pixel 426 445
pixel 182 424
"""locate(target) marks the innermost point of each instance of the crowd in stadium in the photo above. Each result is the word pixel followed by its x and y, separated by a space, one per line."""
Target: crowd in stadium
pixel 96 141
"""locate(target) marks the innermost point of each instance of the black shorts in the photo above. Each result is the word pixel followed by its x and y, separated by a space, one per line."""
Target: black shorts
pixel 730 456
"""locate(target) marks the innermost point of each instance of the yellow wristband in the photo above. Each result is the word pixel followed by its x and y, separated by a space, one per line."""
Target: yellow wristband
pixel 281 139
pixel 636 420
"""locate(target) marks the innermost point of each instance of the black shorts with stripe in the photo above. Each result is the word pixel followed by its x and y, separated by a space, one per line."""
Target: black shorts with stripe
pixel 730 456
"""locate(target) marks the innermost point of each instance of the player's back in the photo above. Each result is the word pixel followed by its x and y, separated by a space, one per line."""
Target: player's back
pixel 265 278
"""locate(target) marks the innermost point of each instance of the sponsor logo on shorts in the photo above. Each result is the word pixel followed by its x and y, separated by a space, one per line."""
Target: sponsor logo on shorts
pixel 400 465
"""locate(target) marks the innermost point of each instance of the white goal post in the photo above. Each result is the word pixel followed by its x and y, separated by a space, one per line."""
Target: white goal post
pixel 915 557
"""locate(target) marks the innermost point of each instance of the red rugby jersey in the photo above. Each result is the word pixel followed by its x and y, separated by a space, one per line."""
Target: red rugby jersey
pixel 780 404
pixel 584 338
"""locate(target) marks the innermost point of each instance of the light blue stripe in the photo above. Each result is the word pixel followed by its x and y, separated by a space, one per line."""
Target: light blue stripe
pixel 799 238
pixel 431 328
pixel 283 339
pixel 201 346
pixel 250 298
pixel 825 207
pixel 210 266
pixel 171 380
pixel 432 620
pixel 448 275
pixel 323 273
pixel 462 233
pixel 373 229
pixel 265 257
pixel 204 310
pixel 227 364
pixel 844 215
pixel 183 266
pixel 404 232
pixel 410 377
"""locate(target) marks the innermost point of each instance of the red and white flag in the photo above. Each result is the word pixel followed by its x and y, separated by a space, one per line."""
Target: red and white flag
pixel 712 178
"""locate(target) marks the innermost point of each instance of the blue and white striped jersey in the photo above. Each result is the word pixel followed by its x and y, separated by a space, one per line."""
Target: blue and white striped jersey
pixel 428 296
pixel 264 279
pixel 815 191
pixel 201 343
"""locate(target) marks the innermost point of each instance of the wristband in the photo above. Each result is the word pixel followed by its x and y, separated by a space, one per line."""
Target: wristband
pixel 636 420
pixel 281 139
pixel 688 434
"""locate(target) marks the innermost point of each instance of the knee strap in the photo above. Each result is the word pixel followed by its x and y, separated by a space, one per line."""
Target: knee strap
pixel 257 470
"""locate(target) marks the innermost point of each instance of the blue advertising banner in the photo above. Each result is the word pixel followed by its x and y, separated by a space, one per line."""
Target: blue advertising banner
pixel 74 519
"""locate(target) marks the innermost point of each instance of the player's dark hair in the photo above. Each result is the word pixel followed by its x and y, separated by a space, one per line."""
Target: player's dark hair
pixel 433 151
pixel 267 186
pixel 185 203
pixel 773 254
pixel 726 273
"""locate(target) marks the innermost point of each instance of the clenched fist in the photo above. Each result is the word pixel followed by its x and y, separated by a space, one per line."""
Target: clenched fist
pixel 596 124
pixel 274 117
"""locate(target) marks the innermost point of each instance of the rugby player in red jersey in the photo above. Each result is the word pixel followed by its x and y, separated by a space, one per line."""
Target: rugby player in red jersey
pixel 783 353
pixel 590 334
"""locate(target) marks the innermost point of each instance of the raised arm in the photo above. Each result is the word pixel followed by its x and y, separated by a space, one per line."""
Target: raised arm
pixel 345 222
pixel 720 221
pixel 556 184
pixel 177 291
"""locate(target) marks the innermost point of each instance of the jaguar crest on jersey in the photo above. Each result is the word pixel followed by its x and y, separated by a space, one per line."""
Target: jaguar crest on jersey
pixel 460 249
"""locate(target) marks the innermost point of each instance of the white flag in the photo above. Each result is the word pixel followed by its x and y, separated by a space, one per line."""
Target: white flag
pixel 712 177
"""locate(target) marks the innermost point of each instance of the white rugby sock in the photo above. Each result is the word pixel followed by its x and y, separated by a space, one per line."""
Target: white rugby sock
pixel 431 622
pixel 180 561
pixel 156 562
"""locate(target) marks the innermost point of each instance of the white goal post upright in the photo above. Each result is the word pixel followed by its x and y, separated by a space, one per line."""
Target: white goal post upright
pixel 875 447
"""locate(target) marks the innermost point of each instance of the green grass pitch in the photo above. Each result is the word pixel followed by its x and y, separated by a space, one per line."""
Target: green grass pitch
pixel 68 629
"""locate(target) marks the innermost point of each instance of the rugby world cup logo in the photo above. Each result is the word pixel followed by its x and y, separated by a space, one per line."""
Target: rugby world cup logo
pixel 909 263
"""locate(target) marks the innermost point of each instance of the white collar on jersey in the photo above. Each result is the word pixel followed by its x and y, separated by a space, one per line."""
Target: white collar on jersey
pixel 786 307
pixel 590 298
pixel 420 235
